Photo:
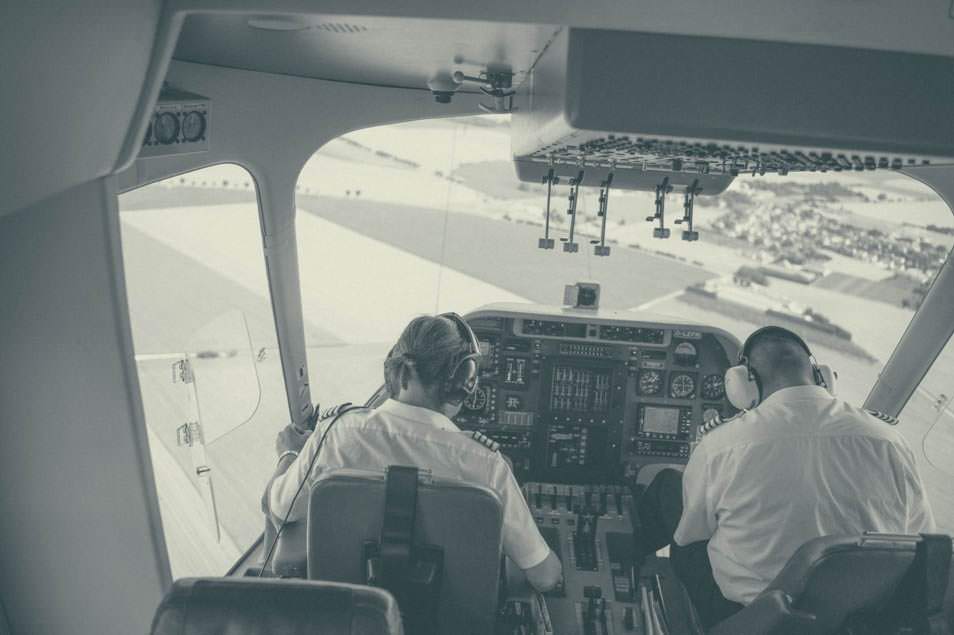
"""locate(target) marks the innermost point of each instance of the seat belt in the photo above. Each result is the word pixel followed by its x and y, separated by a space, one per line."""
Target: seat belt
pixel 397 529
pixel 412 573
pixel 921 592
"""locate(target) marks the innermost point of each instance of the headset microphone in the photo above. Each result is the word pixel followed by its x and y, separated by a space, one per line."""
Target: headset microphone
pixel 743 387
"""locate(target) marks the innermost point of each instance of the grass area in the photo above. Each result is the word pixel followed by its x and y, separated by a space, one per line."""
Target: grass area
pixel 159 197
pixel 894 290
pixel 505 254
pixel 754 316
pixel 497 179
pixel 174 297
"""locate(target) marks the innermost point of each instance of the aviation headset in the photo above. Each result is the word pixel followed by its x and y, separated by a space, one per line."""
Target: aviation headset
pixel 462 376
pixel 743 386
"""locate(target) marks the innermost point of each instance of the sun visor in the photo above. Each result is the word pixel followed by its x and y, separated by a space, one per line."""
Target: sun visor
pixel 649 106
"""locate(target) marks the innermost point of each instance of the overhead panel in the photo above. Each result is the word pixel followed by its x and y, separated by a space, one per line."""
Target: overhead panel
pixel 646 106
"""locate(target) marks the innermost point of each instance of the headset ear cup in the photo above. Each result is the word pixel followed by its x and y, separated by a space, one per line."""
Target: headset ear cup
pixel 828 376
pixel 462 384
pixel 740 388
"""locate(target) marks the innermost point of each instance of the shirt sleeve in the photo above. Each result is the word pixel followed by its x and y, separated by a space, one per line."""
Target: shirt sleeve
pixel 698 521
pixel 286 485
pixel 920 516
pixel 522 541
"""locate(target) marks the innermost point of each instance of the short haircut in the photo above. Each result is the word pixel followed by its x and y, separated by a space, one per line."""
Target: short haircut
pixel 775 354
pixel 431 345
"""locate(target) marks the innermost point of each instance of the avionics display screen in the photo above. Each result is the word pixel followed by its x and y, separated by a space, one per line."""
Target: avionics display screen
pixel 660 420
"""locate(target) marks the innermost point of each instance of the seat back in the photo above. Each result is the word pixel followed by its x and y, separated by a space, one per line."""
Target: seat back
pixel 835 577
pixel 346 509
pixel 252 606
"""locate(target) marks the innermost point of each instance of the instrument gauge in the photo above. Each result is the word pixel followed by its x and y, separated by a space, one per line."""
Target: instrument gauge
pixel 166 128
pixel 683 386
pixel 476 400
pixel 650 382
pixel 713 387
pixel 193 126
pixel 685 354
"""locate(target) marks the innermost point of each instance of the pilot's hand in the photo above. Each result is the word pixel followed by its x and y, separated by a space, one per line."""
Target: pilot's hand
pixel 290 439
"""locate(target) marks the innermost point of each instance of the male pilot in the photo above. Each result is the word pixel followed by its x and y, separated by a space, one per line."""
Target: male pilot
pixel 799 464
pixel 429 372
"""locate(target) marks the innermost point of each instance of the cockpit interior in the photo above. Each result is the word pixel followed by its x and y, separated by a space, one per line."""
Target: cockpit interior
pixel 217 215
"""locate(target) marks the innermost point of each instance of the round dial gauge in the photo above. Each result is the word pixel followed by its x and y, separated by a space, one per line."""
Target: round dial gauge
pixel 683 386
pixel 476 400
pixel 166 128
pixel 193 126
pixel 685 354
pixel 650 382
pixel 713 387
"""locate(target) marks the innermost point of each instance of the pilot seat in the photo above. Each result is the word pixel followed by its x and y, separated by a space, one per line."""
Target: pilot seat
pixel 874 583
pixel 435 543
pixel 253 606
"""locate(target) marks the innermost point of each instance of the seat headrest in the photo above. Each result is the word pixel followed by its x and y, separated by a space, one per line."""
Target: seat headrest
pixel 253 606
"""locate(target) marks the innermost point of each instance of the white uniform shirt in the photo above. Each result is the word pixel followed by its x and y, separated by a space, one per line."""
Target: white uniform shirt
pixel 801 465
pixel 399 434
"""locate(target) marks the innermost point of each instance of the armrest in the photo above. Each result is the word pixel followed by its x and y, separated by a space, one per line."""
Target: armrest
pixel 290 559
pixel 766 614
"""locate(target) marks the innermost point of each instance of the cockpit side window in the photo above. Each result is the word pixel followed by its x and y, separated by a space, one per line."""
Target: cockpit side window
pixel 927 422
pixel 207 357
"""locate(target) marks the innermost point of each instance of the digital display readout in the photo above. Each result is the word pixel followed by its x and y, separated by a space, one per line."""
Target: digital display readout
pixel 660 420
pixel 579 389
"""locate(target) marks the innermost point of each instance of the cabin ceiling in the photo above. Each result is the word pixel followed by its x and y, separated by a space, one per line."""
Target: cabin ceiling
pixel 397 52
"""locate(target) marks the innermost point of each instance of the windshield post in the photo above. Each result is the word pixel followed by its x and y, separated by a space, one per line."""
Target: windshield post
pixel 929 330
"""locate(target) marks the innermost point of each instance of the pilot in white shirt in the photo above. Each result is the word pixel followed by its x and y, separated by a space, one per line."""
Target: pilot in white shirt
pixel 429 372
pixel 799 465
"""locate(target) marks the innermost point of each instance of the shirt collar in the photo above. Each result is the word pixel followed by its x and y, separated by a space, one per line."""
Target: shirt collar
pixel 798 393
pixel 418 414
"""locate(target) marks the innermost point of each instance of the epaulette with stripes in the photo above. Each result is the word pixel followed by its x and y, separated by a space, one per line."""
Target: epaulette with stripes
pixel 482 439
pixel 877 414
pixel 334 411
pixel 714 423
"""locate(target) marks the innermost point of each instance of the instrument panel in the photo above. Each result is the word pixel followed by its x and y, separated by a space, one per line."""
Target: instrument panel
pixel 575 398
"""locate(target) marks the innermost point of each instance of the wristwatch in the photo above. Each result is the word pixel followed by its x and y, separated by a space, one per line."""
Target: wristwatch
pixel 287 453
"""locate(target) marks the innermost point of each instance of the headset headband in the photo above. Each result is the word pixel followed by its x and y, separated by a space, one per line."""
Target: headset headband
pixel 776 330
